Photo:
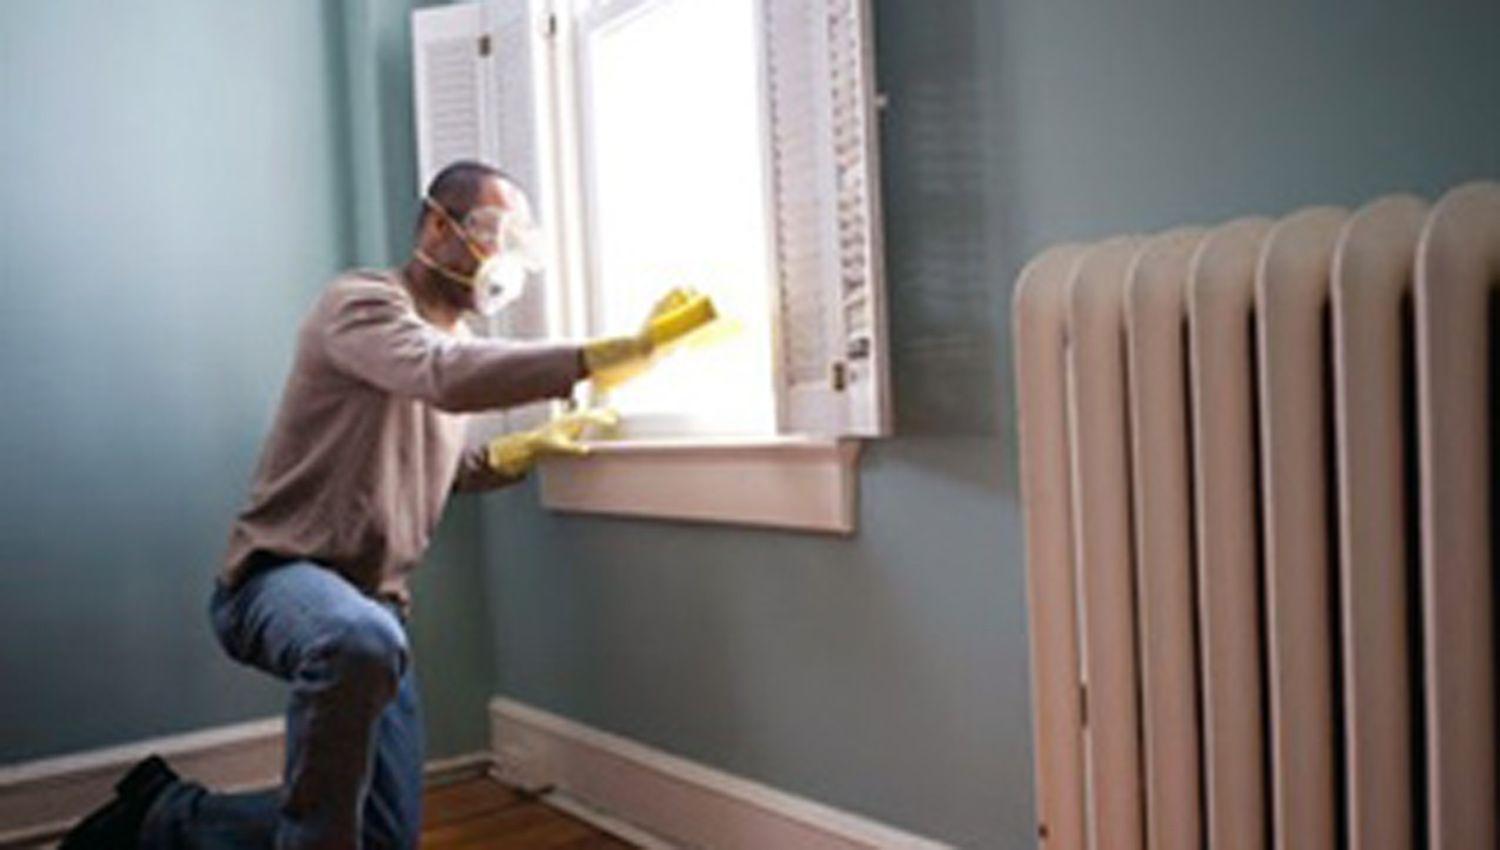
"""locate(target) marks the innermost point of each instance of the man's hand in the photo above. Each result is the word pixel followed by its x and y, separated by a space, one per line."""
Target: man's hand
pixel 514 455
pixel 613 360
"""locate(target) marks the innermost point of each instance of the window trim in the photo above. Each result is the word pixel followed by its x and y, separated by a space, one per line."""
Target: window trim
pixel 801 483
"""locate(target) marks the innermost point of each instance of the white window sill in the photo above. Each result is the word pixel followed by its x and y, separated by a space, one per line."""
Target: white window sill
pixel 806 484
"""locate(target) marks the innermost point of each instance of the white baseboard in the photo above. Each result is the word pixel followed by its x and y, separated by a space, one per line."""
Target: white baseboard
pixel 604 777
pixel 646 796
pixel 606 822
pixel 40 799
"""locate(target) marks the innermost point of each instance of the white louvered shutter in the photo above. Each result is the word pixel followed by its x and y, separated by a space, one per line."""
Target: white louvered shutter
pixel 477 72
pixel 830 270
pixel 451 89
pixel 518 72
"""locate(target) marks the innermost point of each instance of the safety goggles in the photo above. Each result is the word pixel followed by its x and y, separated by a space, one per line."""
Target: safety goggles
pixel 510 229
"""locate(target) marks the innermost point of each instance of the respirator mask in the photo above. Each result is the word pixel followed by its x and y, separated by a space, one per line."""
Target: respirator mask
pixel 504 241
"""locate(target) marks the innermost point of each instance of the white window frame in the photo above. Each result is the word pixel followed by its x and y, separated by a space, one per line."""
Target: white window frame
pixel 806 476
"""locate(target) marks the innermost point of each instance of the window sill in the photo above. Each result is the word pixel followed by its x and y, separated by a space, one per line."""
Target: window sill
pixel 806 484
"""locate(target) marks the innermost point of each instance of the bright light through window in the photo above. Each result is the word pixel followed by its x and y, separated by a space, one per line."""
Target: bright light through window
pixel 674 146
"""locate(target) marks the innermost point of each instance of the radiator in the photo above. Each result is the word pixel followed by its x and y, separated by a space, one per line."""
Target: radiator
pixel 1259 497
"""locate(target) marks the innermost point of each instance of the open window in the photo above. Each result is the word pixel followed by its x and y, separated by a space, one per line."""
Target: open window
pixel 728 145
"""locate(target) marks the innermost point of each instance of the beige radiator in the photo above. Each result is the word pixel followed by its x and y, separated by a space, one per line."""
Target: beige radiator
pixel 1259 487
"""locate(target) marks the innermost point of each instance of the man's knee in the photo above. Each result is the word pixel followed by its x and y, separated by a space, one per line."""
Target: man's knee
pixel 369 648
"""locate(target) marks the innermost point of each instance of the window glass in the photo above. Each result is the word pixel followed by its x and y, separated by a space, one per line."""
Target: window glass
pixel 676 181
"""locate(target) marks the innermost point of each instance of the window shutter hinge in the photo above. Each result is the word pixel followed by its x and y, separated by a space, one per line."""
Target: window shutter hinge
pixel 484 45
pixel 840 376
pixel 1083 704
pixel 548 25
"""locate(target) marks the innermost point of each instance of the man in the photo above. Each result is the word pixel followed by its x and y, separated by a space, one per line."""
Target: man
pixel 365 449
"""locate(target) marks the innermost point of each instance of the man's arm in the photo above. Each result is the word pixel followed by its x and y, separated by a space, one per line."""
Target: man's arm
pixel 373 333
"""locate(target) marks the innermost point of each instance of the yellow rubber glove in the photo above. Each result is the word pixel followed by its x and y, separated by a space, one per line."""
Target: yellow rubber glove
pixel 514 455
pixel 614 360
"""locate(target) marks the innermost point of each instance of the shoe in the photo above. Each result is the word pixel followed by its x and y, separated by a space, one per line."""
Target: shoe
pixel 117 824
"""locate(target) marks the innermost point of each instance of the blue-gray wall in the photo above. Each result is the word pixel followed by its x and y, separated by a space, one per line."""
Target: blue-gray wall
pixel 178 178
pixel 888 673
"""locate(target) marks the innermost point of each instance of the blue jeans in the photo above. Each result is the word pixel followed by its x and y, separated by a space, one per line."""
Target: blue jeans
pixel 354 746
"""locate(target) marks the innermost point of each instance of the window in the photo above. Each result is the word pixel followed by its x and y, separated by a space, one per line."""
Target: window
pixel 674 191
pixel 728 145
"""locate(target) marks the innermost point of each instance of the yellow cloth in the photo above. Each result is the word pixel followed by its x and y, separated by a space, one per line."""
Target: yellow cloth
pixel 614 360
pixel 514 455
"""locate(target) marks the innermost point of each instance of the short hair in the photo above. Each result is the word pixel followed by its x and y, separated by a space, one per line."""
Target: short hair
pixel 455 187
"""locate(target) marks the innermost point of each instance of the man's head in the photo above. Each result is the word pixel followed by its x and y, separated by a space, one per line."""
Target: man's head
pixel 472 215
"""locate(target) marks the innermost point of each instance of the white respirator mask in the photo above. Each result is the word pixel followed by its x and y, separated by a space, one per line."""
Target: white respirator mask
pixel 506 243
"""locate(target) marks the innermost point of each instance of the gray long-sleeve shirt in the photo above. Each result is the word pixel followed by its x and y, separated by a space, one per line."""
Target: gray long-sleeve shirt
pixel 369 439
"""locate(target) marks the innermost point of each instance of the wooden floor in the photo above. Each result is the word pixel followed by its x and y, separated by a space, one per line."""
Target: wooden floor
pixel 481 813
